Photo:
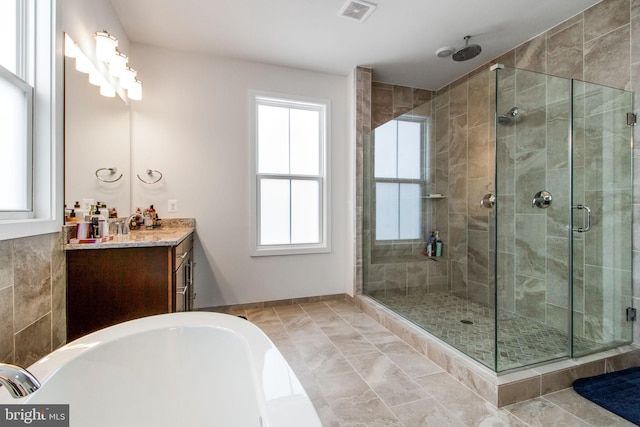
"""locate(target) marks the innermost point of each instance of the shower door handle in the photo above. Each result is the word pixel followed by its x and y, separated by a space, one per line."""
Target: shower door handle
pixel 588 227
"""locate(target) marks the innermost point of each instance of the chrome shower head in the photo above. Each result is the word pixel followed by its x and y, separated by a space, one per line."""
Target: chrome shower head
pixel 469 51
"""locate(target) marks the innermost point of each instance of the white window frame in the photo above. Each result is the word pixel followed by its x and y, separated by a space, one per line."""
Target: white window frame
pixel 324 107
pixel 422 181
pixel 43 72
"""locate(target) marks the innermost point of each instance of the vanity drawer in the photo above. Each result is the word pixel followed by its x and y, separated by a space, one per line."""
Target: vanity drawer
pixel 182 251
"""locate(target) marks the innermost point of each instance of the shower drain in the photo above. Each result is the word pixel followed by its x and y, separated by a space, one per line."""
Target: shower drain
pixel 467 322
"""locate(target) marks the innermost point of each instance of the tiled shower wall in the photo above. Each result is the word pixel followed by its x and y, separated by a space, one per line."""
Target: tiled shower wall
pixel 32 298
pixel 397 267
pixel 600 45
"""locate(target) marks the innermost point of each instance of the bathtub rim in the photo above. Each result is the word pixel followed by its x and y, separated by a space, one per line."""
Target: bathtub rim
pixel 285 410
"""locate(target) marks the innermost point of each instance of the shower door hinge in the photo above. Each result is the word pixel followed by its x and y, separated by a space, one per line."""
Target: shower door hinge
pixel 631 314
pixel 632 119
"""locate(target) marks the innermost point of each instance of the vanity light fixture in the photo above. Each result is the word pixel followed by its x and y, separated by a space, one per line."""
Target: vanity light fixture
pixel 106 46
pixel 82 63
pixel 116 76
pixel 128 77
pixel 135 90
pixel 118 64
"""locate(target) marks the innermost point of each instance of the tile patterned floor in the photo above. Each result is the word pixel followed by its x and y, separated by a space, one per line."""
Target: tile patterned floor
pixel 519 339
pixel 360 374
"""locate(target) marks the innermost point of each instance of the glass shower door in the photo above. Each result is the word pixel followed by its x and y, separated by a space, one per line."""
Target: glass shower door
pixel 532 218
pixel 602 218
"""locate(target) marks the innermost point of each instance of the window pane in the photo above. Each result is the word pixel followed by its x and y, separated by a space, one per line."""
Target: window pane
pixel 14 147
pixel 274 211
pixel 8 34
pixel 409 142
pixel 305 208
pixel 385 150
pixel 305 142
pixel 273 139
pixel 410 211
pixel 387 211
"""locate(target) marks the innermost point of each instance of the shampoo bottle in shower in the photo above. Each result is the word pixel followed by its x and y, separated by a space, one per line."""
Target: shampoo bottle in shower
pixel 431 245
pixel 438 245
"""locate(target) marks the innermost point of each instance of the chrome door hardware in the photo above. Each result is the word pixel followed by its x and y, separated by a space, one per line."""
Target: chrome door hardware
pixel 632 119
pixel 488 201
pixel 588 227
pixel 542 199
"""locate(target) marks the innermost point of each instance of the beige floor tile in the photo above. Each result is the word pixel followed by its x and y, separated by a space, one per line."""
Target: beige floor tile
pixel 322 357
pixel 368 411
pixel 427 413
pixel 464 404
pixel 288 310
pixel 349 342
pixel 409 360
pixel 301 327
pixel 390 383
pixel 344 386
pixel 262 316
pixel 595 415
pixel 540 412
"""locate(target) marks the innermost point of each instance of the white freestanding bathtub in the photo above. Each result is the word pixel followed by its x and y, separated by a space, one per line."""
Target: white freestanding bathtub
pixel 179 369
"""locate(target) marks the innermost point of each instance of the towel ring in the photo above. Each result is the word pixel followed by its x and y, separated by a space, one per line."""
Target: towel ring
pixel 112 171
pixel 151 172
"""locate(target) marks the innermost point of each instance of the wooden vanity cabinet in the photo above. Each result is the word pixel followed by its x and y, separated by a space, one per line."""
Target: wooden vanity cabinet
pixel 110 286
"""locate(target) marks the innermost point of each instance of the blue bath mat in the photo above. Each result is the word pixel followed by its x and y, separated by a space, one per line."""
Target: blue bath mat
pixel 617 392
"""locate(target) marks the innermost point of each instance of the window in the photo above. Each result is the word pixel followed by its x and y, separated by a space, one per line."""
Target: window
pixel 290 180
pixel 399 178
pixel 30 120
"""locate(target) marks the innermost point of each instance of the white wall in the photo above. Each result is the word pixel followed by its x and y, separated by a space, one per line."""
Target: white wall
pixel 193 125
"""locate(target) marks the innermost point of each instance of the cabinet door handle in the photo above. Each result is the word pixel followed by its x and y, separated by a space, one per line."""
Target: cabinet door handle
pixel 183 256
pixel 182 291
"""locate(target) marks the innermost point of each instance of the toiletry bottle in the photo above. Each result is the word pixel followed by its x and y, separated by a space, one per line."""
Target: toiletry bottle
pixel 95 227
pixel 148 220
pixel 103 209
pixel 154 215
pixel 431 245
pixel 438 245
pixel 72 216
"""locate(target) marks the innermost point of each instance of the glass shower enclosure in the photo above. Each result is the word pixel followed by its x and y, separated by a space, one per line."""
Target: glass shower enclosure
pixel 525 181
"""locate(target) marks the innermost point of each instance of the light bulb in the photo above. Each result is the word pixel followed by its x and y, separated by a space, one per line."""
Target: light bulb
pixel 105 46
pixel 118 64
pixel 128 77
pixel 135 91
pixel 96 78
pixel 107 90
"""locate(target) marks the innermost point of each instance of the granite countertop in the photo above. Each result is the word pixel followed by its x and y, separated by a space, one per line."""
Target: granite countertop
pixel 167 235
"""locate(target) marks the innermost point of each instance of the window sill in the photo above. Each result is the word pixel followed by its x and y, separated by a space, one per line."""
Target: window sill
pixel 290 250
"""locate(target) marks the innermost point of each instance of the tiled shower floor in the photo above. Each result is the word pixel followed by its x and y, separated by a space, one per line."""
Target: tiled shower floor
pixel 469 327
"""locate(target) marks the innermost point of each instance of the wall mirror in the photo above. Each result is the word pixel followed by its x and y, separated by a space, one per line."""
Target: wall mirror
pixel 97 138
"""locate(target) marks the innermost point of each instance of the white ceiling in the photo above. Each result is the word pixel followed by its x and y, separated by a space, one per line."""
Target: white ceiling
pixel 398 40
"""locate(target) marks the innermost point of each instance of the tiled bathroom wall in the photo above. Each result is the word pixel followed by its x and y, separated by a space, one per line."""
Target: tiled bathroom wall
pixel 600 45
pixel 32 298
pixel 398 267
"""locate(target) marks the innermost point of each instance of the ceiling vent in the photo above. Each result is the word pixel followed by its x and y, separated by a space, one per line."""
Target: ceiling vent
pixel 357 10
